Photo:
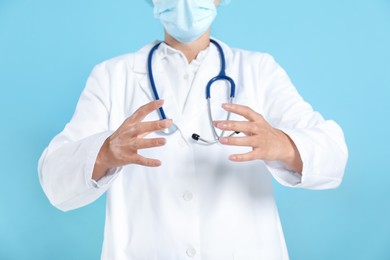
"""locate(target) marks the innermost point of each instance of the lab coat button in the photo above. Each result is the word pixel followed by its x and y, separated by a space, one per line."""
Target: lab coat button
pixel 187 196
pixel 191 252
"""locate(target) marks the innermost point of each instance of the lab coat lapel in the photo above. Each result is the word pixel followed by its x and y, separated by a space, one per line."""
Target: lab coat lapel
pixel 162 84
pixel 140 68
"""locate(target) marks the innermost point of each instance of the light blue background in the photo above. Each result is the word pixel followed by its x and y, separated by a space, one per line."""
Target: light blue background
pixel 336 52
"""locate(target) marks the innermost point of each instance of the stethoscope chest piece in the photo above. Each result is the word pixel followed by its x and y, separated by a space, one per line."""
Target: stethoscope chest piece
pixel 170 130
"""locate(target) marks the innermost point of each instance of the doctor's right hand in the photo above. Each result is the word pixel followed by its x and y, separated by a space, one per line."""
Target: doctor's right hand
pixel 121 148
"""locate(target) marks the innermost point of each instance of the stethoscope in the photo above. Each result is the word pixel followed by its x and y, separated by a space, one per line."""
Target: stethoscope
pixel 221 76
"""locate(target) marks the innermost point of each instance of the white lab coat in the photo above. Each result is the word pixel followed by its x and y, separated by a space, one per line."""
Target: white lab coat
pixel 198 204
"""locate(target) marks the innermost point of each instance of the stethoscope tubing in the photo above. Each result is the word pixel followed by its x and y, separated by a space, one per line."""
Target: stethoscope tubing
pixel 220 77
pixel 152 82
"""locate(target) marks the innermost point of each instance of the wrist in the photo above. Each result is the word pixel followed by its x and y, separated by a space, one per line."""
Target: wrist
pixel 291 157
pixel 101 167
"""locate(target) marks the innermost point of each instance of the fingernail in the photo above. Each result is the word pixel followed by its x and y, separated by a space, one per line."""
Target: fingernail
pixel 227 105
pixel 233 157
pixel 168 122
pixel 163 123
pixel 161 141
pixel 223 140
pixel 222 125
pixel 156 164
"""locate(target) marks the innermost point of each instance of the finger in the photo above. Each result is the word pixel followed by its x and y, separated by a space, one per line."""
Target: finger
pixel 244 157
pixel 244 111
pixel 238 141
pixel 238 126
pixel 144 128
pixel 138 143
pixel 140 160
pixel 144 110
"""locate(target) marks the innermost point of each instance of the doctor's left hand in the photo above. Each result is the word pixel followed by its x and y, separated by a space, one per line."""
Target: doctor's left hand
pixel 267 143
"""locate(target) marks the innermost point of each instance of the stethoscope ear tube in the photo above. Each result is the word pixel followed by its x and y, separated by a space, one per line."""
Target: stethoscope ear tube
pixel 173 128
pixel 151 79
pixel 220 78
pixel 197 137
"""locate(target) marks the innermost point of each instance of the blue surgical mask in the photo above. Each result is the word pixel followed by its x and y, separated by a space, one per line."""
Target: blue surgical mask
pixel 185 20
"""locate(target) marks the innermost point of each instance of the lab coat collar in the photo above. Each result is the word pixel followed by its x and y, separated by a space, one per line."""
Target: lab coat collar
pixel 140 64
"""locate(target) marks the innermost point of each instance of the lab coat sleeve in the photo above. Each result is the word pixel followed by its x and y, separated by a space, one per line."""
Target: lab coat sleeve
pixel 320 142
pixel 65 167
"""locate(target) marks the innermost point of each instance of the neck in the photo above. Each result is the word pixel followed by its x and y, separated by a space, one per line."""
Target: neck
pixel 192 49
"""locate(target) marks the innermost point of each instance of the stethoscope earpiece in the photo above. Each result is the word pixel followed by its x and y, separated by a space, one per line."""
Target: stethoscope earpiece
pixel 195 137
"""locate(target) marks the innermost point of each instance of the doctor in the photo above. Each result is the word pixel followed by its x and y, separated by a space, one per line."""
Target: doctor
pixel 168 195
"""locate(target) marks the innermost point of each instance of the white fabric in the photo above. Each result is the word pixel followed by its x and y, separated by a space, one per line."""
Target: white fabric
pixel 198 204
pixel 178 71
